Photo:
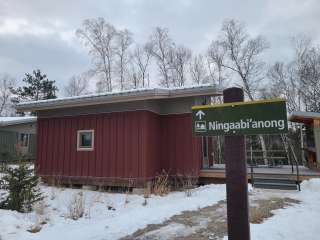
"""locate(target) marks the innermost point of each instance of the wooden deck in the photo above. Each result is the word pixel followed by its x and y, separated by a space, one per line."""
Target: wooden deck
pixel 218 172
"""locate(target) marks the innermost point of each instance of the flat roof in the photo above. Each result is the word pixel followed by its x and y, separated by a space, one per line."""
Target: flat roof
pixel 9 121
pixel 304 117
pixel 120 96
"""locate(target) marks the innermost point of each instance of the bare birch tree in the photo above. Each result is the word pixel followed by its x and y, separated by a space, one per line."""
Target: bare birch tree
pixel 100 36
pixel 141 58
pixel 77 85
pixel 283 83
pixel 162 47
pixel 198 69
pixel 134 76
pixel 298 81
pixel 215 59
pixel 179 60
pixel 7 83
pixel 124 41
pixel 309 76
pixel 242 57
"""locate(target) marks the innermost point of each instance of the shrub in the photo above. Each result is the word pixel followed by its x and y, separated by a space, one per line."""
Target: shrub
pixel 22 187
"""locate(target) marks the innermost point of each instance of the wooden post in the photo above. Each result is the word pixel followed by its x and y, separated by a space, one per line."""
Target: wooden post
pixel 236 178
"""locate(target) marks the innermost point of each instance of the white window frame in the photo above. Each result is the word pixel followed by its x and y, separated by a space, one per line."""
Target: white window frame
pixel 81 148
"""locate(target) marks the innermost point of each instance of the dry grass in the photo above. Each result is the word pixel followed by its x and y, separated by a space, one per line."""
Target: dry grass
pixel 188 183
pixel 265 207
pixel 147 190
pixel 76 206
pixel 146 193
pixel 130 185
pixel 34 229
pixel 161 184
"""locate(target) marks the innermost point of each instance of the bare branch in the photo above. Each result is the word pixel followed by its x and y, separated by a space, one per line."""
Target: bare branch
pixel 161 50
pixel 99 36
pixel 179 59
pixel 77 85
pixel 198 70
pixel 239 53
pixel 124 41
pixel 7 83
pixel 142 57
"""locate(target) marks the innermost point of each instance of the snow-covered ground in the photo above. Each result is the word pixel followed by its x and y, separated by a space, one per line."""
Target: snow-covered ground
pixel 300 221
pixel 110 216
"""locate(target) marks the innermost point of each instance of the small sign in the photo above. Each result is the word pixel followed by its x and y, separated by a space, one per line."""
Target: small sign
pixel 241 118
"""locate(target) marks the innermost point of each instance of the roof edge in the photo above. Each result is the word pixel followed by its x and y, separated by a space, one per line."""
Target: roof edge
pixel 18 121
pixel 300 116
pixel 116 97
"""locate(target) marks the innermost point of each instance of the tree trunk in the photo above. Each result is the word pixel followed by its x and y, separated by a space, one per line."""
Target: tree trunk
pixel 286 147
pixel 2 107
pixel 264 150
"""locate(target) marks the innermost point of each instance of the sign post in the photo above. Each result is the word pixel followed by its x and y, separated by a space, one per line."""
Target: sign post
pixel 236 178
pixel 234 119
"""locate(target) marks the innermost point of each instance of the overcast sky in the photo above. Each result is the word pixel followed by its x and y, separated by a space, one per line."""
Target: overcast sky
pixel 41 33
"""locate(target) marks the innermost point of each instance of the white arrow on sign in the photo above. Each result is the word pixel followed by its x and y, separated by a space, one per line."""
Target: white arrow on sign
pixel 200 114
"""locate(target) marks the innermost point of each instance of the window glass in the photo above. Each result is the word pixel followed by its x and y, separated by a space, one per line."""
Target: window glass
pixel 85 139
pixel 24 140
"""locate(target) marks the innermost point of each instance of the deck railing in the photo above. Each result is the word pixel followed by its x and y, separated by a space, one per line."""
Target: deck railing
pixel 273 159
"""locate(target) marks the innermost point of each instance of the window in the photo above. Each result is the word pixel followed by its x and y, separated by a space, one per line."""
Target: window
pixel 24 140
pixel 85 140
pixel 205 158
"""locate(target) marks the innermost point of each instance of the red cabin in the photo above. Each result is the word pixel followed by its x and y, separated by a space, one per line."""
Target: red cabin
pixel 111 138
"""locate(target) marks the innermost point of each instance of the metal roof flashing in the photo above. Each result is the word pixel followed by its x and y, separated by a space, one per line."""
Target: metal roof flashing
pixel 116 97
pixel 9 121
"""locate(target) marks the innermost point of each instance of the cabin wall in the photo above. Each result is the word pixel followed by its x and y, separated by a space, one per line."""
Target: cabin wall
pixel 10 139
pixel 133 145
pixel 180 150
pixel 29 128
pixel 119 142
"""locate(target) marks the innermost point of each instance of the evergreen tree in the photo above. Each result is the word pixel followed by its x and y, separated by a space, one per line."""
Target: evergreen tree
pixel 22 187
pixel 37 87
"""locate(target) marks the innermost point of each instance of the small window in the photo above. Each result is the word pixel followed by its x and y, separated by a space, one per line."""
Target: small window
pixel 85 140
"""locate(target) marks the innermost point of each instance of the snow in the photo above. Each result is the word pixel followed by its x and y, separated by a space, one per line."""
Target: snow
pixel 99 222
pixel 299 221
pixel 161 90
pixel 170 231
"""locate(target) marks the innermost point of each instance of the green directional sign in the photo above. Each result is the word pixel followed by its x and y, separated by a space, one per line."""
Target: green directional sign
pixel 240 118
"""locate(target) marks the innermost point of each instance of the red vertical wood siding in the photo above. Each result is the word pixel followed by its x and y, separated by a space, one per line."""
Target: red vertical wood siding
pixel 180 151
pixel 137 144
